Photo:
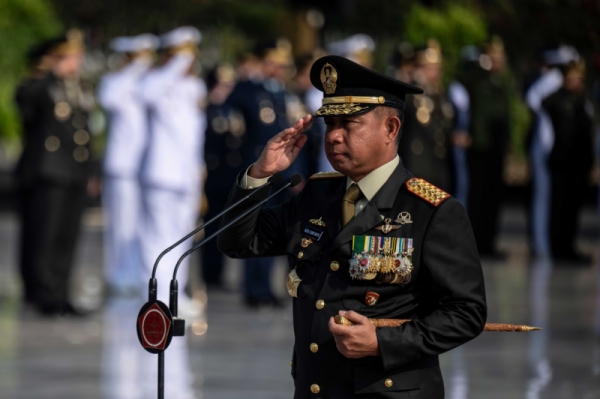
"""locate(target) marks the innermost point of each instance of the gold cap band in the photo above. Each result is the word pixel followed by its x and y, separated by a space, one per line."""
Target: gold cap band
pixel 353 100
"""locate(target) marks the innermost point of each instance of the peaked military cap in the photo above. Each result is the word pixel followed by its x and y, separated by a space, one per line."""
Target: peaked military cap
pixel 349 88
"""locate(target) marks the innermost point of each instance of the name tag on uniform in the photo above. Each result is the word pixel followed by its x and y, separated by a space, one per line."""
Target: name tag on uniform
pixel 312 233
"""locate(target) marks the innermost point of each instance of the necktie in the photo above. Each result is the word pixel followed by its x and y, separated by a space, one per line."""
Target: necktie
pixel 352 195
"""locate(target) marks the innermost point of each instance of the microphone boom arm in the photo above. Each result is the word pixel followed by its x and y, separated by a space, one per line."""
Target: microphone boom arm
pixel 201 243
pixel 273 180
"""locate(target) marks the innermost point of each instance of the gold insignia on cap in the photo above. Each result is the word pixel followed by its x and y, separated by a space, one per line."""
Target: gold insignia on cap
pixel 341 109
pixel 329 78
pixel 427 191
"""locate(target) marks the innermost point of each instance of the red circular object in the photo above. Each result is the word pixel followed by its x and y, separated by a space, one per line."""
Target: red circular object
pixel 154 327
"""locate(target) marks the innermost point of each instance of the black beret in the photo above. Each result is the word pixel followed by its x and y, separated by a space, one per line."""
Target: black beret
pixel 349 88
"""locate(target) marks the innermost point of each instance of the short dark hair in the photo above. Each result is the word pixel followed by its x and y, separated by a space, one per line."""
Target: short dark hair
pixel 383 111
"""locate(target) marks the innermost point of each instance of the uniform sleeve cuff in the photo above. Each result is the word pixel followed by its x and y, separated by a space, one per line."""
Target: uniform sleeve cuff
pixel 248 182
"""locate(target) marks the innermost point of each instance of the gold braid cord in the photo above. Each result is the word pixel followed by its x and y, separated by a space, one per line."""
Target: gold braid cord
pixel 339 319
pixel 341 109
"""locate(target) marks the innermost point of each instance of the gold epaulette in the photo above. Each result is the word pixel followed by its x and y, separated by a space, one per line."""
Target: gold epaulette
pixel 326 175
pixel 427 191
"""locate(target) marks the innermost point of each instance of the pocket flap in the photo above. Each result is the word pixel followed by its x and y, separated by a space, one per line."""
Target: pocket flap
pixel 371 379
pixel 310 253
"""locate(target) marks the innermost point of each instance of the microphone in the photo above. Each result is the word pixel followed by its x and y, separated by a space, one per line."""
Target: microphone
pixel 292 181
pixel 152 285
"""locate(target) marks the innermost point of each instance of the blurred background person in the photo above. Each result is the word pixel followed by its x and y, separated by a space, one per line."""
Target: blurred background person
pixel 358 48
pixel 570 161
pixel 53 173
pixel 119 95
pixel 261 100
pixel 460 139
pixel 299 103
pixel 541 142
pixel 311 99
pixel 171 172
pixel 427 120
pixel 489 88
pixel 225 141
pixel 403 62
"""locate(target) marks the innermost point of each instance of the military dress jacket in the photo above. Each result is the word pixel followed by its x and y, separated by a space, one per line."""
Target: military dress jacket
pixel 445 295
pixel 56 139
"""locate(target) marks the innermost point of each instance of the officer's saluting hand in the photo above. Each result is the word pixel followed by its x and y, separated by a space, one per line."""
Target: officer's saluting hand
pixel 281 150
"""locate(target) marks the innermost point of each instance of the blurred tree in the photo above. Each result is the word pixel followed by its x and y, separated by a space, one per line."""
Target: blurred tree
pixel 22 24
pixel 453 26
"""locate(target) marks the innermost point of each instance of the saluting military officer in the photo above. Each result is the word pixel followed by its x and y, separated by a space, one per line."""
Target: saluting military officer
pixel 119 95
pixel 53 174
pixel 171 173
pixel 368 241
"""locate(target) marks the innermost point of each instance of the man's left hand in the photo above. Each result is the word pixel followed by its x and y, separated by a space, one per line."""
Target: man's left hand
pixel 359 340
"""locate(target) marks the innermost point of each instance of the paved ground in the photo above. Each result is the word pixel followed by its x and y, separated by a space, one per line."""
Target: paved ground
pixel 245 354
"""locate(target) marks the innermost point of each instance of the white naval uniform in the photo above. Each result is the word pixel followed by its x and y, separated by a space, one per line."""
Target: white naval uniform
pixel 172 167
pixel 541 145
pixel 119 96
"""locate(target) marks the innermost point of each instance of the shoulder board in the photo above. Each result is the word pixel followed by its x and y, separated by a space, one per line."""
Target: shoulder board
pixel 427 191
pixel 326 175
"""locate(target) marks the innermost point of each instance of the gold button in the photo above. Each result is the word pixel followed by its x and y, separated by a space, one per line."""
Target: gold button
pixel 334 266
pixel 314 388
pixel 291 363
pixel 81 137
pixel 320 304
pixel 52 143
pixel 314 348
pixel 389 383
pixel 300 255
pixel 81 154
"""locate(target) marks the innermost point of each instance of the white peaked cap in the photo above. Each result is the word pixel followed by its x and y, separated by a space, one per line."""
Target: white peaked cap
pixel 351 45
pixel 134 44
pixel 179 36
pixel 561 55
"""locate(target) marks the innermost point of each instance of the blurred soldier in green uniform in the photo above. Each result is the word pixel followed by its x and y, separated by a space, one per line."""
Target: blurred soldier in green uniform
pixel 53 173
pixel 424 145
pixel 489 88
pixel 223 152
pixel 570 161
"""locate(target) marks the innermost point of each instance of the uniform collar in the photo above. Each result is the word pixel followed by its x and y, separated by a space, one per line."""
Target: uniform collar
pixel 371 183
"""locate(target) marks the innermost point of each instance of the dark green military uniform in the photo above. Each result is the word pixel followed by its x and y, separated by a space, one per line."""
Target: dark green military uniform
pixel 444 293
pixel 52 176
pixel 570 163
pixel 489 95
pixel 424 146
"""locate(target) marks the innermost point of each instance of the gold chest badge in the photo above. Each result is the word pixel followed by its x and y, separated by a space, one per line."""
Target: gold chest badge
pixel 329 78
pixel 292 283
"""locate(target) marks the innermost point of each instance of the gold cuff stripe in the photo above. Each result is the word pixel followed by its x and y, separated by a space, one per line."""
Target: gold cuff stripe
pixel 353 100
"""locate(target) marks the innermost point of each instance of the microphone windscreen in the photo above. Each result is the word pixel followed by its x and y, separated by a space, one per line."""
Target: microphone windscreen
pixel 276 179
pixel 295 180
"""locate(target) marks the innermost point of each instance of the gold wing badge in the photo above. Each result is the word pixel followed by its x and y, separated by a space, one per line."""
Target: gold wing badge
pixel 329 77
pixel 387 226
